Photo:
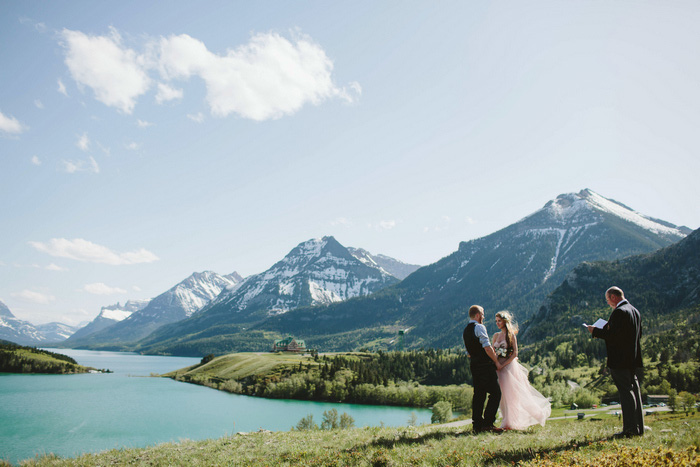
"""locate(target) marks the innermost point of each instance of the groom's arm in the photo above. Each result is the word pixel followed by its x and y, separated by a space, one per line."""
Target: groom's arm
pixel 492 355
pixel 482 335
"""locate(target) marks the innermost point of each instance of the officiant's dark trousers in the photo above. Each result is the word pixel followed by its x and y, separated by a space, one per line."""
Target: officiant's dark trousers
pixel 485 382
pixel 630 399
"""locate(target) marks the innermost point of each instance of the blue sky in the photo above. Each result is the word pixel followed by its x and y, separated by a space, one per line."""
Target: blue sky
pixel 144 141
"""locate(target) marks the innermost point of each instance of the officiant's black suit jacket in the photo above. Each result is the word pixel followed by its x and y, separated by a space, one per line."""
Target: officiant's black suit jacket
pixel 622 335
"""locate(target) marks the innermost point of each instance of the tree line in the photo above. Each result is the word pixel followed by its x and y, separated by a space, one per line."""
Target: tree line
pixel 18 359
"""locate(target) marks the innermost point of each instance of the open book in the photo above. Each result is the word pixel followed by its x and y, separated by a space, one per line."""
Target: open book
pixel 598 324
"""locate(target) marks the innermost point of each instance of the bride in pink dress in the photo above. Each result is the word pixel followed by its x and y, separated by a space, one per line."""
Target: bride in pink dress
pixel 521 404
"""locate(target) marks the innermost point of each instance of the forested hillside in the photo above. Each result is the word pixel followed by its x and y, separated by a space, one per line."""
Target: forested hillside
pixel 664 286
pixel 17 359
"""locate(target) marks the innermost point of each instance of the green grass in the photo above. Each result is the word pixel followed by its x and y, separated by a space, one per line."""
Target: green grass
pixel 674 440
pixel 242 365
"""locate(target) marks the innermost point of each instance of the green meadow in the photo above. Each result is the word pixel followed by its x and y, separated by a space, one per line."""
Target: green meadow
pixel 674 440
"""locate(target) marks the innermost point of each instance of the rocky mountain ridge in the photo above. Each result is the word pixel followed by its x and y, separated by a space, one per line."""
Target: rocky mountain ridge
pixel 177 303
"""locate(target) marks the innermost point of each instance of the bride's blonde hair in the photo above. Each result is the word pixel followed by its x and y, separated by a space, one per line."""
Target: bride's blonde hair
pixel 511 326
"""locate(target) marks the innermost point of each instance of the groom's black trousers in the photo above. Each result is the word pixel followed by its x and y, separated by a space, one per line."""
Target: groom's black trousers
pixel 485 382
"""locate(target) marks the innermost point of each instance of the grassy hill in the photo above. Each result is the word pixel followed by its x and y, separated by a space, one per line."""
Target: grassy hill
pixel 17 359
pixel 414 379
pixel 240 366
pixel 673 441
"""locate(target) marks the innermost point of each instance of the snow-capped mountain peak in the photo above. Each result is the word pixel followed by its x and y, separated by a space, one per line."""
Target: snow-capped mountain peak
pixel 16 330
pixel 179 302
pixel 118 312
pixel 317 271
pixel 583 208
pixel 200 288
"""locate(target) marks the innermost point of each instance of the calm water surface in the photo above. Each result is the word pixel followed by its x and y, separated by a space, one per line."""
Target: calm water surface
pixel 73 414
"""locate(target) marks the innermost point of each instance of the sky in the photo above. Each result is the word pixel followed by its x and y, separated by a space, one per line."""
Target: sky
pixel 143 141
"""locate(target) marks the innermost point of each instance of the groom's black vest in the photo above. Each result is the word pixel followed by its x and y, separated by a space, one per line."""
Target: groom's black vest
pixel 474 347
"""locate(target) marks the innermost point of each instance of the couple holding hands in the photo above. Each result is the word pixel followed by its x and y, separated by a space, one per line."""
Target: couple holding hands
pixel 496 371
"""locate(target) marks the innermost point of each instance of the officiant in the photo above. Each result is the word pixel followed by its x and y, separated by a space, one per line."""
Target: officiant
pixel 622 335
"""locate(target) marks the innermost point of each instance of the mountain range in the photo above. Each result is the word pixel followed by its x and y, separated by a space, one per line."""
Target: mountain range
pixel 315 273
pixel 16 330
pixel 108 316
pixel 514 268
pixel 339 298
pixel 177 303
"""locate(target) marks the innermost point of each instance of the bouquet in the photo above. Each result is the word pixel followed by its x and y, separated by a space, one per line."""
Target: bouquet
pixel 501 352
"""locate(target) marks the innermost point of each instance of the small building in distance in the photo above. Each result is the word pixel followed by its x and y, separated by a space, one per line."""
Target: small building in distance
pixel 289 344
pixel 657 398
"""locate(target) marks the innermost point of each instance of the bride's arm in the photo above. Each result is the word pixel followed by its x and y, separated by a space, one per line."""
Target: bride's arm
pixel 513 354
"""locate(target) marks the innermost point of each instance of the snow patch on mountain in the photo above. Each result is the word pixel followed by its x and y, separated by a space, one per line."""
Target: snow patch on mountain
pixel 561 233
pixel 118 312
pixel 385 264
pixel 115 314
pixel 570 208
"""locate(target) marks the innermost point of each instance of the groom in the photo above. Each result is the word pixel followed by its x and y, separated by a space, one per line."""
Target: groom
pixel 483 364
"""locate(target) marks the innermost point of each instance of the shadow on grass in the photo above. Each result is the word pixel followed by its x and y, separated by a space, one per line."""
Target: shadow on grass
pixel 408 438
pixel 528 454
pixel 493 458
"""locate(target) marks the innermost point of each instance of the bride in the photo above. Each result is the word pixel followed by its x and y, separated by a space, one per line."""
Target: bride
pixel 521 404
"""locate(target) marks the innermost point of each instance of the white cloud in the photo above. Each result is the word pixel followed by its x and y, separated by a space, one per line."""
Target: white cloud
pixel 88 165
pixel 62 88
pixel 10 125
pixel 34 297
pixel 55 267
pixel 38 104
pixel 167 93
pixel 341 221
pixel 115 74
pixel 83 142
pixel 441 226
pixel 136 288
pixel 267 78
pixel 383 225
pixel 104 149
pixel 143 123
pixel 86 251
pixel 352 94
pixel 132 146
pixel 470 221
pixel 36 161
pixel 198 117
pixel 100 288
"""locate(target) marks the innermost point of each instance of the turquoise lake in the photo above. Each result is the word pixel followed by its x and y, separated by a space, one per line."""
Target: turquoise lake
pixel 72 414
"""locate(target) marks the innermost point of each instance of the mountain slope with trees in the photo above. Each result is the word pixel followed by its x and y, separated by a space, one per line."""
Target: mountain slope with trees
pixel 664 286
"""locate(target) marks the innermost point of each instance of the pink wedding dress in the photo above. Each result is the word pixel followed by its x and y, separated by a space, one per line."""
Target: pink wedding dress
pixel 521 404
